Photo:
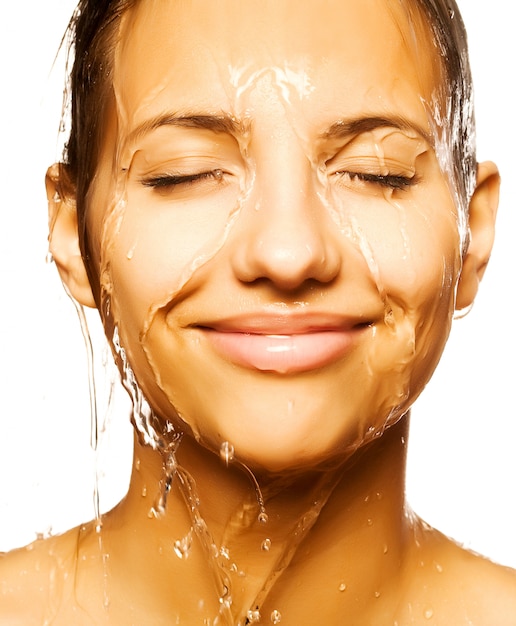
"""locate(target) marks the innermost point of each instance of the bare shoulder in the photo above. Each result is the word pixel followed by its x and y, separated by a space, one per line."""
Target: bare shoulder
pixel 488 589
pixel 37 580
pixel 455 586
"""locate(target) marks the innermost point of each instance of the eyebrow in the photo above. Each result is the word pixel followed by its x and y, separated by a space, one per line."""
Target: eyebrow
pixel 229 124
pixel 217 123
pixel 357 126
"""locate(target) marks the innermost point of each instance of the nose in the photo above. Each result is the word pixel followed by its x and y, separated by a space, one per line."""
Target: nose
pixel 287 236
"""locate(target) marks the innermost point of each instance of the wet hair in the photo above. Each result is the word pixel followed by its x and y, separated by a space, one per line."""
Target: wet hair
pixel 93 33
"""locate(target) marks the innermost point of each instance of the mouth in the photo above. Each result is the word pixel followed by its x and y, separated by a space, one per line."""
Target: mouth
pixel 283 346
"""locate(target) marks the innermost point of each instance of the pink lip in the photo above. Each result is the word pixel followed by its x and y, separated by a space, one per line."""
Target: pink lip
pixel 283 345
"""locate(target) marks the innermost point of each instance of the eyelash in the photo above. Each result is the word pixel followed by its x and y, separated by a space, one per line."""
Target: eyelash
pixel 166 181
pixel 388 181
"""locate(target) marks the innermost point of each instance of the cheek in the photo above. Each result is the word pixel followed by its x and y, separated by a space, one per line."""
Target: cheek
pixel 413 253
pixel 412 249
pixel 150 254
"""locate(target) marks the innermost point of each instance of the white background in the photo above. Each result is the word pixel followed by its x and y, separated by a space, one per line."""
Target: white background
pixel 462 464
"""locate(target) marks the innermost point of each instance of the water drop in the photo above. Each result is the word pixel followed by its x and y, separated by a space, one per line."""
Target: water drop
pixel 253 616
pixel 429 614
pixel 144 492
pixel 342 587
pixel 182 546
pixel 439 567
pixel 263 518
pixel 49 258
pixel 227 452
pixel 275 617
pixel 385 549
pixel 266 545
pixel 369 521
pixel 377 594
pixel 224 552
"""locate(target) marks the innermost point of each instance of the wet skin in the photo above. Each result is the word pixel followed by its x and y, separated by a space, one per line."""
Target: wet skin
pixel 316 280
pixel 282 257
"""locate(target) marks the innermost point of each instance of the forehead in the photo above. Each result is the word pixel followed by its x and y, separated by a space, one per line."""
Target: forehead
pixel 321 55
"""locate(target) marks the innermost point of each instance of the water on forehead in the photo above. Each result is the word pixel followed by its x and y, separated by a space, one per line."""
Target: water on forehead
pixel 215 52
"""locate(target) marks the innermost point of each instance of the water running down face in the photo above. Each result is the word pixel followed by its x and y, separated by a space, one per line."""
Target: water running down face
pixel 277 239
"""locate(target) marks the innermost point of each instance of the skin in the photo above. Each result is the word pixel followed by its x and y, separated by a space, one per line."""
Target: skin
pixel 337 252
pixel 287 230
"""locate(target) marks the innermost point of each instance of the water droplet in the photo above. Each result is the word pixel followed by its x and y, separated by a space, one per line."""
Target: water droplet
pixel 377 594
pixel 439 567
pixel 98 528
pixel 224 552
pixel 49 258
pixel 227 452
pixel 369 521
pixel 385 549
pixel 429 613
pixel 342 587
pixel 266 545
pixel 275 617
pixel 263 518
pixel 253 617
pixel 226 602
pixel 144 492
pixel 183 546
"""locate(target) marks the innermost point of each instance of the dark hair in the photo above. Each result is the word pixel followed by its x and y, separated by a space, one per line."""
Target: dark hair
pixel 93 32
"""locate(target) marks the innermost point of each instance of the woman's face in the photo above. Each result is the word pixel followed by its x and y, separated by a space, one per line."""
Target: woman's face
pixel 274 233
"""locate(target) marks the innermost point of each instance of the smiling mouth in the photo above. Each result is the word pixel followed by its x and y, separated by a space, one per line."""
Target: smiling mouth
pixel 285 353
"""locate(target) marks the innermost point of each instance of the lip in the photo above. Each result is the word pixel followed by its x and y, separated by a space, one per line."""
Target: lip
pixel 284 344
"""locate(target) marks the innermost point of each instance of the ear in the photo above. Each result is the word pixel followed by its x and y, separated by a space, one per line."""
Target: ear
pixel 64 235
pixel 482 216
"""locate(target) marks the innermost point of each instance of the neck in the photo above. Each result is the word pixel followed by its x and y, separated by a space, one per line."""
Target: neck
pixel 340 529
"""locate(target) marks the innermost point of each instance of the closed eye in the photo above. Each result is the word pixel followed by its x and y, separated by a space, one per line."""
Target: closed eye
pixel 388 181
pixel 170 181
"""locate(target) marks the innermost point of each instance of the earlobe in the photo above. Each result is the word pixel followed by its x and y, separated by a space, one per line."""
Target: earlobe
pixel 482 216
pixel 64 236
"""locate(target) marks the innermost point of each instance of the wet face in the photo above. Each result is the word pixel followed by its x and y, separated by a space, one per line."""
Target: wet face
pixel 276 239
